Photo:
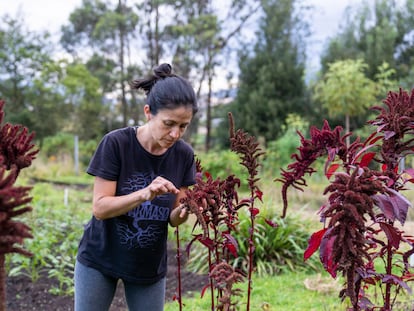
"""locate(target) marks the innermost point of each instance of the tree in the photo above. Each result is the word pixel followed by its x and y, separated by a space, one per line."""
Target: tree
pixel 271 81
pixel 82 96
pixel 22 56
pixel 375 34
pixel 47 103
pixel 107 31
pixel 345 90
pixel 199 36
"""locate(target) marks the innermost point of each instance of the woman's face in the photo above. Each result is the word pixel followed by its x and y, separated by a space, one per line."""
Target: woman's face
pixel 169 125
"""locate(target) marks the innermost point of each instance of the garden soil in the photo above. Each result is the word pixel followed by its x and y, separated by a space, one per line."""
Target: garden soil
pixel 24 295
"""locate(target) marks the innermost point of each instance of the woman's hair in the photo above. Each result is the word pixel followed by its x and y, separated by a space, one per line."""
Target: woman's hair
pixel 166 90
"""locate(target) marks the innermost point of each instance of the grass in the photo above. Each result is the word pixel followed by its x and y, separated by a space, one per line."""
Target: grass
pixel 282 292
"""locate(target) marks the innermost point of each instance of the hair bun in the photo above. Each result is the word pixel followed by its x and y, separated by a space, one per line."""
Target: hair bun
pixel 163 70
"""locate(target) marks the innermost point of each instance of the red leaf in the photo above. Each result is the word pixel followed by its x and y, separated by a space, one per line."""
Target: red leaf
pixel 331 153
pixel 326 254
pixel 393 279
pixel 254 211
pixel 394 206
pixel 331 170
pixel 231 244
pixel 207 242
pixel 408 277
pixel 394 237
pixel 271 223
pixel 366 159
pixel 203 290
pixel 388 134
pixel 384 167
pixel 313 243
pixel 409 171
pixel 259 194
pixel 373 139
pixel 232 249
pixel 188 248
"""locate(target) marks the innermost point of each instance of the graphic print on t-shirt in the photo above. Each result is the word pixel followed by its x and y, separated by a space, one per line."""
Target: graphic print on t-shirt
pixel 142 229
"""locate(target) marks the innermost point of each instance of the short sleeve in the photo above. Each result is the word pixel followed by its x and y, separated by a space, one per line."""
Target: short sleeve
pixel 105 162
pixel 190 167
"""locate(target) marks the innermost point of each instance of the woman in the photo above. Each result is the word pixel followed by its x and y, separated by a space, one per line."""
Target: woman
pixel 140 175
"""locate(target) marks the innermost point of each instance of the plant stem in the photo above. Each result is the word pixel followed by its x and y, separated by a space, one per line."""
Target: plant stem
pixel 387 302
pixel 177 235
pixel 211 280
pixel 2 282
pixel 251 252
pixel 251 249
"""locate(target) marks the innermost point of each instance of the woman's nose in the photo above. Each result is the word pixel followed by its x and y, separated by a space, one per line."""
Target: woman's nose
pixel 175 132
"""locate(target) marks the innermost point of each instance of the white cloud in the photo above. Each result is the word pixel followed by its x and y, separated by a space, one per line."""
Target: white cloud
pixel 41 15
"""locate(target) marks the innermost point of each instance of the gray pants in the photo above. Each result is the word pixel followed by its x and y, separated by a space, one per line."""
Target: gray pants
pixel 95 292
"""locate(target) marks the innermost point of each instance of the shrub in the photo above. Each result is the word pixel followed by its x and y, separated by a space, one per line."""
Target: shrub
pixel 277 249
pixel 61 146
pixel 221 164
pixel 278 152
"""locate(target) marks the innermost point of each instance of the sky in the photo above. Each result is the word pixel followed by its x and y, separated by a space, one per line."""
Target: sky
pixel 51 14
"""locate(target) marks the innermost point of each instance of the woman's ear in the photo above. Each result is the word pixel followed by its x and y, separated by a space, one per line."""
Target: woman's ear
pixel 147 112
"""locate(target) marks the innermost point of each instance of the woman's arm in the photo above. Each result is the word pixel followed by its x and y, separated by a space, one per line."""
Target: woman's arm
pixel 107 205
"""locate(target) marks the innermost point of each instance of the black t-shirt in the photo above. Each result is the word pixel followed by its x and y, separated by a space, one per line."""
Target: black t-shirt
pixel 133 246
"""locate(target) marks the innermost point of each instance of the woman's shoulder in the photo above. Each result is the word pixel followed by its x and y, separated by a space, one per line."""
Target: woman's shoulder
pixel 121 133
pixel 183 146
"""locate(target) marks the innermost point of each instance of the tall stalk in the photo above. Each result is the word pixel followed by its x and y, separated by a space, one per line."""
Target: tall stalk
pixel 251 253
pixel 179 290
pixel 387 300
pixel 16 153
pixel 249 151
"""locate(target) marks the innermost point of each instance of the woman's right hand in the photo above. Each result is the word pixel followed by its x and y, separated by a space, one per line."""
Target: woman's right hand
pixel 159 186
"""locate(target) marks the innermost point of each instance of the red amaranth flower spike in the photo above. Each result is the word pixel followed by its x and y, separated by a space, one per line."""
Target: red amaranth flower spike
pixel 364 201
pixel 16 145
pixel 16 153
pixel 322 142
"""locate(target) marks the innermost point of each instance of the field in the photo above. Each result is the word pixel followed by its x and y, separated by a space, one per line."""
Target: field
pixel 61 207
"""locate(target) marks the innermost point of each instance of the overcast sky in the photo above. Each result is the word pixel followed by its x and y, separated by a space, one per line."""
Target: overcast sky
pixel 51 14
